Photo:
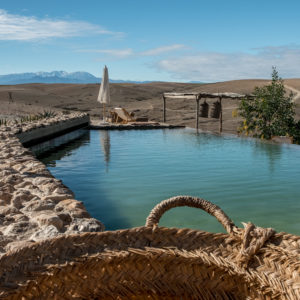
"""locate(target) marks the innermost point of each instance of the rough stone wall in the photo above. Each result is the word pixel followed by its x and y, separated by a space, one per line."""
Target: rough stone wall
pixel 34 205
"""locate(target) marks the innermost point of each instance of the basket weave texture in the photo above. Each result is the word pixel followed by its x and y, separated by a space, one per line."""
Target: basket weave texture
pixel 154 262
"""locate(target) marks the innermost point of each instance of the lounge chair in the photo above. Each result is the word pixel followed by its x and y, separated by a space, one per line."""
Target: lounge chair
pixel 121 115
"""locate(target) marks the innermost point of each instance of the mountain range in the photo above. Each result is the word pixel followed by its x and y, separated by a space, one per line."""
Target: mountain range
pixel 56 77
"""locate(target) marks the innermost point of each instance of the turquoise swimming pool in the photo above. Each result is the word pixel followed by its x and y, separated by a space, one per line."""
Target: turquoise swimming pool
pixel 122 175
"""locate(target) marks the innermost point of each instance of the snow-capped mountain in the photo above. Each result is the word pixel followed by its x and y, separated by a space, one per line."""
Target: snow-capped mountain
pixel 49 77
pixel 56 77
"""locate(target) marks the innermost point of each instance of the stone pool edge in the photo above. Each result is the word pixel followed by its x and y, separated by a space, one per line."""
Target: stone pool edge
pixel 133 126
pixel 34 205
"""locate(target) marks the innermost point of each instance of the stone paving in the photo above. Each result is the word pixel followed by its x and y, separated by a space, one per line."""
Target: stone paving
pixel 34 205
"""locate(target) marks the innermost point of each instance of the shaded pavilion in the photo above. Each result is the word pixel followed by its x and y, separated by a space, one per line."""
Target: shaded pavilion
pixel 197 96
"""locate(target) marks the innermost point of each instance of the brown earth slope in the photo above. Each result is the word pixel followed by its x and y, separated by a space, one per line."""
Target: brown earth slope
pixel 145 100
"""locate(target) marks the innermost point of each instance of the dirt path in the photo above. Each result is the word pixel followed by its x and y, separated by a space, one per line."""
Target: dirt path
pixel 296 92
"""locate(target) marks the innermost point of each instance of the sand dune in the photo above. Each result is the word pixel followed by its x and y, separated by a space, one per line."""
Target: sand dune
pixel 144 99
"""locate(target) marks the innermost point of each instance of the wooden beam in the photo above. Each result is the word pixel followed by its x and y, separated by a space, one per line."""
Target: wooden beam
pixel 181 97
pixel 207 95
pixel 170 95
pixel 197 111
pixel 221 116
pixel 225 95
pixel 164 109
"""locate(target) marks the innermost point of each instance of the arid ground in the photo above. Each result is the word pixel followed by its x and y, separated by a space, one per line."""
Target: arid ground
pixel 145 100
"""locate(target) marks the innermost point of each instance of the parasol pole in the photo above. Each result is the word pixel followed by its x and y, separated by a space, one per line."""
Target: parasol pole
pixel 103 112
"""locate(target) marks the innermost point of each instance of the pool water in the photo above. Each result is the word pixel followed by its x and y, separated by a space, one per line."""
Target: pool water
pixel 121 175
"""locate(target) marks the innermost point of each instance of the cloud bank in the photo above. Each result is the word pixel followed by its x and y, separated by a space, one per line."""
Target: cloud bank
pixel 216 66
pixel 21 28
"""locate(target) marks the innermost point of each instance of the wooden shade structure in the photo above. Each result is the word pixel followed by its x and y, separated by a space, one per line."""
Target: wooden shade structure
pixel 197 96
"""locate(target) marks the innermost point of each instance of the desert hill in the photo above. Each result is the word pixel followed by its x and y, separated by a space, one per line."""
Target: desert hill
pixel 144 99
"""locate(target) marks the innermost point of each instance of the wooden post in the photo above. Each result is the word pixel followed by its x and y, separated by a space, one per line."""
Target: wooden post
pixel 164 109
pixel 197 111
pixel 221 116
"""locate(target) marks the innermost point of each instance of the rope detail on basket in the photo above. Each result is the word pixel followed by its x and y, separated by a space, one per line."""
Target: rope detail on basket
pixel 253 238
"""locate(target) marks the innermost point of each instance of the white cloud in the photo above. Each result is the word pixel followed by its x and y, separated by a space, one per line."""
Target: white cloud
pixel 118 53
pixel 125 53
pixel 216 66
pixel 160 50
pixel 16 27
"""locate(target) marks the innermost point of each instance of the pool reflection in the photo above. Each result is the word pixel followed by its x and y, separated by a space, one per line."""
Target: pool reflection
pixel 105 146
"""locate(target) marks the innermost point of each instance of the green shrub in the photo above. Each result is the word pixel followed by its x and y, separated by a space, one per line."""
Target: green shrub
pixel 47 114
pixel 270 113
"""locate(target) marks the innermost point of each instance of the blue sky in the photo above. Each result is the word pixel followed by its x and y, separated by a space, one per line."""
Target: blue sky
pixel 166 40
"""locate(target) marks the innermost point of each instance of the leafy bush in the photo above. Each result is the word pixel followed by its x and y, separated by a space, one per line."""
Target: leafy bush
pixel 295 132
pixel 270 113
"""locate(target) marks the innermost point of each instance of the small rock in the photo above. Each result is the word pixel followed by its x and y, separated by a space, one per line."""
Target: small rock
pixel 20 197
pixel 7 210
pixel 63 190
pixel 8 188
pixel 4 173
pixel 5 198
pixel 4 240
pixel 41 180
pixel 65 217
pixel 12 179
pixel 39 205
pixel 13 246
pixel 18 228
pixel 19 167
pixel 69 204
pixel 20 218
pixel 24 184
pixel 86 225
pixel 48 217
pixel 56 198
pixel 79 213
pixel 45 233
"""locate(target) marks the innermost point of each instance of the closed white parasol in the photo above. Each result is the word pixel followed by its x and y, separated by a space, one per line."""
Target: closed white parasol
pixel 104 96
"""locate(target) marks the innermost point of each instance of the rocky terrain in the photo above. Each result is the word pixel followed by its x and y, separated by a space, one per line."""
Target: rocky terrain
pixel 145 100
pixel 33 204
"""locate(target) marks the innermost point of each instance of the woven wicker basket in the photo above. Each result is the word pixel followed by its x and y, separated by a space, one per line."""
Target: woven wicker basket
pixel 154 262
